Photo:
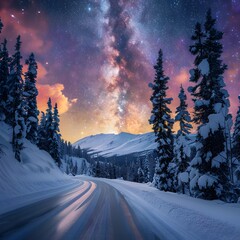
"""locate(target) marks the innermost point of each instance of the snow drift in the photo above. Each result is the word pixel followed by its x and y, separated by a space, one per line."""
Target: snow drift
pixel 36 173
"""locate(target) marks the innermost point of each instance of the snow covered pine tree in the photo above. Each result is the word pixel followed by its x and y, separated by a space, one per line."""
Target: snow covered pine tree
pixel 140 172
pixel 4 73
pixel 52 132
pixel 209 168
pixel 56 136
pixel 236 144
pixel 146 168
pixel 162 126
pixel 181 145
pixel 42 134
pixel 15 103
pixel 49 128
pixel 30 96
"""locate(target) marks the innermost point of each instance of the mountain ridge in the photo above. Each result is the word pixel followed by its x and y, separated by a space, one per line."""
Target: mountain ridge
pixel 110 144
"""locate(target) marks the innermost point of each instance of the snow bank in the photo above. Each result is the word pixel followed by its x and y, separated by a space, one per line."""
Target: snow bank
pixel 36 173
pixel 192 218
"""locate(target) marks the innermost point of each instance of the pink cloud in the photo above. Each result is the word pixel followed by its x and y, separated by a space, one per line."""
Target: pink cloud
pixel 55 92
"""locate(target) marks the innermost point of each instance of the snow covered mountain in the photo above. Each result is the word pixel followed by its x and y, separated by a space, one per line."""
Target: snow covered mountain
pixel 108 145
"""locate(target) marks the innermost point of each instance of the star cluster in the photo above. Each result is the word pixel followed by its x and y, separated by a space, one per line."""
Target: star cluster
pixel 96 57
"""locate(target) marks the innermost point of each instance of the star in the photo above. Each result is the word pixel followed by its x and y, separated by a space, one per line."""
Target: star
pixel 103 52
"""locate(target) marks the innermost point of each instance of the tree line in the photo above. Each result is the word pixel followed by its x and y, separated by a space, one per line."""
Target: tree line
pixel 132 168
pixel 212 172
pixel 18 106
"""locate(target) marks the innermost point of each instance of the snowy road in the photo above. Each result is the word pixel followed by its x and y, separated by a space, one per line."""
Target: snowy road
pixel 94 210
pixel 115 209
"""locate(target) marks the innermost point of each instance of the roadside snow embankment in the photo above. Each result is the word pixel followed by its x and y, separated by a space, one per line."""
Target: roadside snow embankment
pixel 37 176
pixel 193 218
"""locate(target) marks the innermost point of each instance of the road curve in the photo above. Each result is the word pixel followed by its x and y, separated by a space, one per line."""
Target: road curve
pixel 94 210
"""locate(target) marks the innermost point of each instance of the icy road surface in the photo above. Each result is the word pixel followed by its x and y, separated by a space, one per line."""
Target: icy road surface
pixel 115 209
pixel 94 210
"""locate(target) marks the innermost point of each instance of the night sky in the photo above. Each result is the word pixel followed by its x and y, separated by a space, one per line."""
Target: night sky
pixel 96 57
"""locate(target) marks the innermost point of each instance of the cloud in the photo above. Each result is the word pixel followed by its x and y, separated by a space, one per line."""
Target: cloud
pixel 55 92
pixel 74 100
pixel 16 23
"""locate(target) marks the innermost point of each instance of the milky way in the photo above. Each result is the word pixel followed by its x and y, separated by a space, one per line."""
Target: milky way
pixel 96 57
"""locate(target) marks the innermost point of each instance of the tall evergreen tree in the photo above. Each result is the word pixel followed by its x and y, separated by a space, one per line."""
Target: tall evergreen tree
pixel 30 95
pixel 49 128
pixel 182 114
pixel 15 84
pixel 62 153
pixel 236 144
pixel 84 167
pixel 209 173
pixel 19 131
pixel 162 126
pixel 4 73
pixel 70 165
pixel 97 169
pixel 56 119
pixel 49 115
pixel 146 169
pixel 1 25
pixel 112 170
pixel 140 171
pixel 49 134
pixel 181 145
pixel 200 110
pixel 15 105
pixel 75 169
pixel 66 147
pixel 79 152
pixel 42 134
pixel 55 151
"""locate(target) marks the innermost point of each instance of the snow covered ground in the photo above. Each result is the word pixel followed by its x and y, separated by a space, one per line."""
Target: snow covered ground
pixel 37 176
pixel 191 218
pixel 116 209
